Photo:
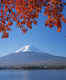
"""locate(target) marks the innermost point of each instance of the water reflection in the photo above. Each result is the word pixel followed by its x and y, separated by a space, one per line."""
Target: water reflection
pixel 33 74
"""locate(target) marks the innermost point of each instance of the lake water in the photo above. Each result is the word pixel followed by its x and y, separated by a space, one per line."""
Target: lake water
pixel 32 74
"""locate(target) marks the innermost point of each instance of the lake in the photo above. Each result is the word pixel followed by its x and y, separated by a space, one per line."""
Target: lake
pixel 32 74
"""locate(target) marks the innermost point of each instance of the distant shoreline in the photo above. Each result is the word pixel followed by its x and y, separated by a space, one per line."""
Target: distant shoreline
pixel 34 68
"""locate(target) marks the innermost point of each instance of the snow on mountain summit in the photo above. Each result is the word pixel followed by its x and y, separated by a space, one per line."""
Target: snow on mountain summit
pixel 27 48
pixel 23 49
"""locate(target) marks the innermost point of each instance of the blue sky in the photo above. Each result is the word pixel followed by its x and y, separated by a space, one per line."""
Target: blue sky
pixel 51 42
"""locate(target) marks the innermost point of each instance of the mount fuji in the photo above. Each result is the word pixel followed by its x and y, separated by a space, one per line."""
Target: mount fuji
pixel 29 55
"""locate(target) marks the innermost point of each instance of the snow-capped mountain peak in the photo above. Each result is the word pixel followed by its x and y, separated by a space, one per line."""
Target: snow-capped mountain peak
pixel 23 49
pixel 27 48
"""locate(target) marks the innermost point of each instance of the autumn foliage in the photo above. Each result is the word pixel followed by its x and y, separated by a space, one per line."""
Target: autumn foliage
pixel 25 12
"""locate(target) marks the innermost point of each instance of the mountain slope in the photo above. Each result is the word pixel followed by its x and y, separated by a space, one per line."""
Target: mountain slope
pixel 31 56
